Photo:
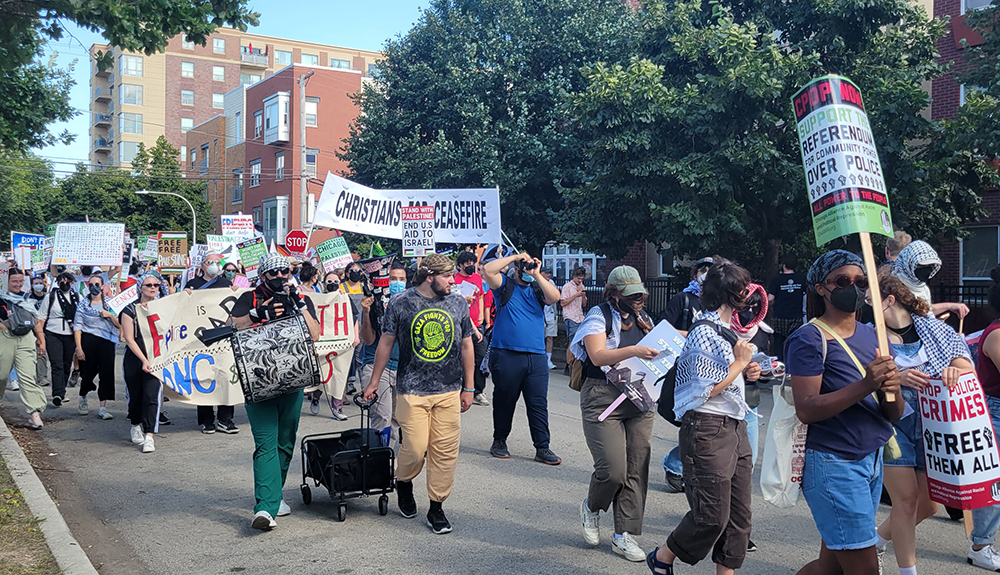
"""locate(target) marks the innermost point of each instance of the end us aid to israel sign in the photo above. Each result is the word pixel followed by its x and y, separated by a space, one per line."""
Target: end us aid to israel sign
pixel 960 444
pixel 847 191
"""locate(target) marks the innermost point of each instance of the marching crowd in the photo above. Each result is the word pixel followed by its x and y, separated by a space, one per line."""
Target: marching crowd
pixel 449 324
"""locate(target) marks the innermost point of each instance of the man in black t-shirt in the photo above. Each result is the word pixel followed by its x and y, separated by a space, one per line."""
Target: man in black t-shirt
pixel 273 422
pixel 786 296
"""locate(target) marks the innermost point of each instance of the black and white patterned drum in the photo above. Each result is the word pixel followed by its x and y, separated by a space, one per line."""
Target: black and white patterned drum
pixel 275 358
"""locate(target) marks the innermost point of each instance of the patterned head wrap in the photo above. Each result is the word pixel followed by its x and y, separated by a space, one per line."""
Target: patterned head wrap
pixel 828 262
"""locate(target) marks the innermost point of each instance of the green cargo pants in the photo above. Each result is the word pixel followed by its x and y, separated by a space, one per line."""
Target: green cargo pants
pixel 273 424
pixel 19 352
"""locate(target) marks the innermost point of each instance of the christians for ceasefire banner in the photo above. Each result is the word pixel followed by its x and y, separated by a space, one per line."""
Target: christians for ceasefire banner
pixel 206 375
pixel 460 216
pixel 960 446
pixel 846 188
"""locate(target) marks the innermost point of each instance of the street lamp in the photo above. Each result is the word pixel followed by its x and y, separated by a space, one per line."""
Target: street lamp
pixel 194 218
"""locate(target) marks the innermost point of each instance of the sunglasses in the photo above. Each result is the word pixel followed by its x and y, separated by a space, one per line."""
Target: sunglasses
pixel 276 273
pixel 151 285
pixel 845 281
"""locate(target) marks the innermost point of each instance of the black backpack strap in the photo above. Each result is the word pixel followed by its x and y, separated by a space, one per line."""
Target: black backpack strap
pixel 606 310
pixel 687 311
pixel 726 333
pixel 506 292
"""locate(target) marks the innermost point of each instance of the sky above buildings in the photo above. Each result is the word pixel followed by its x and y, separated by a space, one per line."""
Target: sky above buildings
pixel 364 25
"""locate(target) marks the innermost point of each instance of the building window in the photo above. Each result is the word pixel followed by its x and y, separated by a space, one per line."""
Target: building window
pixel 127 151
pixel 249 79
pixel 187 97
pixel 219 73
pixel 237 192
pixel 185 43
pixel 130 66
pixel 131 94
pixel 219 45
pixel 203 167
pixel 270 218
pixel 279 166
pixel 218 100
pixel 239 127
pixel 666 258
pixel 256 215
pixel 282 57
pixel 255 173
pixel 312 103
pixel 563 260
pixel 310 168
pixel 194 158
pixel 187 69
pixel 184 154
pixel 258 123
pixel 342 64
pixel 980 254
pixel 186 124
pixel 974 5
pixel 310 59
pixel 131 123
pixel 373 71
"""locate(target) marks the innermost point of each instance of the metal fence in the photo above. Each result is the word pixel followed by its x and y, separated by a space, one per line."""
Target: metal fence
pixel 660 291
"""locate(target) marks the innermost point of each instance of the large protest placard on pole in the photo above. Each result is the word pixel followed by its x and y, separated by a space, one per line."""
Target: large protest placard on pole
pixel 418 231
pixel 463 216
pixel 172 257
pixel 334 254
pixel 237 226
pixel 22 257
pixel 206 375
pixel 250 252
pixel 33 241
pixel 88 244
pixel 225 246
pixel 960 445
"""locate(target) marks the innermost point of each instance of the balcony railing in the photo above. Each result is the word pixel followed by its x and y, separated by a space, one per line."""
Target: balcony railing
pixel 102 94
pixel 253 58
pixel 102 119
pixel 100 144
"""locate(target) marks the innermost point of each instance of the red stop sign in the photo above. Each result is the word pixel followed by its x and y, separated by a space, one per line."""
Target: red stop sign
pixel 296 241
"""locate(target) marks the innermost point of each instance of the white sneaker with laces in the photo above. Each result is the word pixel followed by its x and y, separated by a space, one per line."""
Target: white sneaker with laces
pixel 987 558
pixel 147 444
pixel 339 415
pixel 103 414
pixel 591 525
pixel 627 547
pixel 284 509
pixel 83 409
pixel 262 520
pixel 137 436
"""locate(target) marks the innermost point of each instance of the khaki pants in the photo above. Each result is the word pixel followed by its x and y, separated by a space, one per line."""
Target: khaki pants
pixel 384 411
pixel 431 426
pixel 19 352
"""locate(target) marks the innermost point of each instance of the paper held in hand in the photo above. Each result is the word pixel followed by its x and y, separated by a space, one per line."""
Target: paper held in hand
pixel 639 379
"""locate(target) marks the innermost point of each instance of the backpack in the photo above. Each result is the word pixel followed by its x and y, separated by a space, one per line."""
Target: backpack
pixel 20 320
pixel 68 307
pixel 665 405
pixel 580 369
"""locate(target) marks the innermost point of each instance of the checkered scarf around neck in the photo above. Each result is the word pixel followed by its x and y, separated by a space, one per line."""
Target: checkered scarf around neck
pixel 941 343
pixel 828 262
pixel 703 363
pixel 916 254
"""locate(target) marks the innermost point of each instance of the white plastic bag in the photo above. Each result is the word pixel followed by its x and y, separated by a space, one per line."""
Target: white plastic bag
pixel 784 452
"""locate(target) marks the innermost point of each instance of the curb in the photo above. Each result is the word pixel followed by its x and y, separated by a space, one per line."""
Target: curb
pixel 72 560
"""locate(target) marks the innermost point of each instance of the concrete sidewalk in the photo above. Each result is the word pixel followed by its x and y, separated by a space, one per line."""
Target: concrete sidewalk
pixel 186 508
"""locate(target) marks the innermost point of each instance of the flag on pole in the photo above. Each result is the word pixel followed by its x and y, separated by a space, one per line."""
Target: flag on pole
pixel 377 249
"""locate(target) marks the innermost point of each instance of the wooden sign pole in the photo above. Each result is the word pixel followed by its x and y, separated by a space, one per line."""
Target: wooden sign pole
pixel 876 294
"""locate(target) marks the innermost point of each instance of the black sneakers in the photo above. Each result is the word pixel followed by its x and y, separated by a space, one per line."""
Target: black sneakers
pixel 207 428
pixel 226 427
pixel 499 449
pixel 675 483
pixel 436 519
pixel 404 496
pixel 545 455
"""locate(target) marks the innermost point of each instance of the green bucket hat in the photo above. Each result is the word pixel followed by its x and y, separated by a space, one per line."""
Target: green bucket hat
pixel 626 280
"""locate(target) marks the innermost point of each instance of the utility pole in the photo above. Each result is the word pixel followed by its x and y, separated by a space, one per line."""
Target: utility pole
pixel 303 177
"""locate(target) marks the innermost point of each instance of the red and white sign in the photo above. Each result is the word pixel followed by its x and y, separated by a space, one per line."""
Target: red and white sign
pixel 960 445
pixel 418 230
pixel 296 241
pixel 237 226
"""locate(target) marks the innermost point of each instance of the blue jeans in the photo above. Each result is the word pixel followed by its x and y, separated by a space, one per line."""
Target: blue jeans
pixel 843 495
pixel 517 374
pixel 986 520
pixel 672 462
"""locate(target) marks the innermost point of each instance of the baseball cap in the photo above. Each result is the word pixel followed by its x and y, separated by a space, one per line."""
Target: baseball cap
pixel 706 261
pixel 546 269
pixel 626 280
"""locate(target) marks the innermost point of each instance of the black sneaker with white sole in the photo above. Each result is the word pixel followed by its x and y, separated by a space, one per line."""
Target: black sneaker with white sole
pixel 404 496
pixel 226 427
pixel 57 401
pixel 437 521
pixel 207 428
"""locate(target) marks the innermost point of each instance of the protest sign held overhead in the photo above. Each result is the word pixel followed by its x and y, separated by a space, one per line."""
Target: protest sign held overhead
pixel 22 257
pixel 418 231
pixel 846 187
pixel 238 226
pixel 250 252
pixel 334 254
pixel 960 445
pixel 225 247
pixel 460 216
pixel 173 252
pixel 33 241
pixel 88 244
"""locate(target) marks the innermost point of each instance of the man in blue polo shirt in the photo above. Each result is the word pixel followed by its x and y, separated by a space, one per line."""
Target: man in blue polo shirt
pixel 518 362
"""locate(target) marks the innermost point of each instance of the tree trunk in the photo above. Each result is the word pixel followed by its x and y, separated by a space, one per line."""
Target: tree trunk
pixel 772 251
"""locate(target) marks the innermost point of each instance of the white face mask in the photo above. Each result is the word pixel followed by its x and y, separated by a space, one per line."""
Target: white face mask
pixel 701 277
pixel 39 288
pixel 213 269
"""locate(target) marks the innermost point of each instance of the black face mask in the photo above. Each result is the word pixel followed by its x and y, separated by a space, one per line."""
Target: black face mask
pixel 923 273
pixel 64 286
pixel 847 299
pixel 469 270
pixel 276 284
pixel 746 316
pixel 332 287
pixel 95 290
pixel 354 276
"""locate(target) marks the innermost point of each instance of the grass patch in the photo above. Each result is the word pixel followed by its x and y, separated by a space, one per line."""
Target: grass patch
pixel 23 550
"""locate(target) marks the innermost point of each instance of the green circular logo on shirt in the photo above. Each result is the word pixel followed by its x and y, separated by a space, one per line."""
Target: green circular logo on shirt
pixel 432 334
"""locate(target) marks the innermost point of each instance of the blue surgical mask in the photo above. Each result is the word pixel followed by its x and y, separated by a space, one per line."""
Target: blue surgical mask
pixel 527 278
pixel 396 286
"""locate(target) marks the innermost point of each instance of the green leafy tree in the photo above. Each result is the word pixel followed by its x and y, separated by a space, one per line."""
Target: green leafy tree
pixel 977 123
pixel 109 195
pixel 472 96
pixel 693 142
pixel 33 96
pixel 25 182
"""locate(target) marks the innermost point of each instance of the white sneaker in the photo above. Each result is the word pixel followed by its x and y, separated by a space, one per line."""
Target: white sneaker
pixel 627 547
pixel 591 525
pixel 13 386
pixel 314 406
pixel 137 435
pixel 339 415
pixel 35 420
pixel 551 365
pixel 83 409
pixel 987 558
pixel 262 520
pixel 103 414
pixel 147 444
pixel 284 509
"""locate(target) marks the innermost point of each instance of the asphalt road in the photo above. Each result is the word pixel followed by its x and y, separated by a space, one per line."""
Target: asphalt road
pixel 186 508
